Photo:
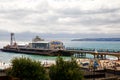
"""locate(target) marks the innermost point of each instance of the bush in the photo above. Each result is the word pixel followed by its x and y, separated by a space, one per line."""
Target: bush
pixel 27 69
pixel 65 70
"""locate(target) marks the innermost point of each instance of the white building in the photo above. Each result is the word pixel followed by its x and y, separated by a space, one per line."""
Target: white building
pixel 41 44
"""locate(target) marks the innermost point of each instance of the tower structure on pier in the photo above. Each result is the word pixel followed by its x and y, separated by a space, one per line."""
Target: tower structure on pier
pixel 12 40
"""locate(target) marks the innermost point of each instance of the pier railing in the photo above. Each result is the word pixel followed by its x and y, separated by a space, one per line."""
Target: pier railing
pixel 94 49
pixel 97 53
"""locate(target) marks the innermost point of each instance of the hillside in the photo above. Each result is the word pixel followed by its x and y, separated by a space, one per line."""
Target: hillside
pixel 97 39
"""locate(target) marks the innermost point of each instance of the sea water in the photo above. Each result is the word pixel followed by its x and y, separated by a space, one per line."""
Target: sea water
pixel 7 56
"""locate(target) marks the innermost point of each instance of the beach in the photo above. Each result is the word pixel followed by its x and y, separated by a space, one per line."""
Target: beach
pixel 101 64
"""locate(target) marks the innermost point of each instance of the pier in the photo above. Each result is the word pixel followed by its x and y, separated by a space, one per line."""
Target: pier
pixel 100 53
pixel 39 46
pixel 81 53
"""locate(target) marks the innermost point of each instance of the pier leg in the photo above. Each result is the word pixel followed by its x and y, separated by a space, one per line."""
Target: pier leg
pixel 94 56
pixel 81 55
pixel 118 58
pixel 104 56
pixel 85 55
pixel 97 56
pixel 78 55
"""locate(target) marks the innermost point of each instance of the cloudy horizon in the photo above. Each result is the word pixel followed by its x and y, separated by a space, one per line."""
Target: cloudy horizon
pixel 61 18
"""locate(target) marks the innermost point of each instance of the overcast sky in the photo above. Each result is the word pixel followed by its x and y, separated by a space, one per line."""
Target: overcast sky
pixel 61 17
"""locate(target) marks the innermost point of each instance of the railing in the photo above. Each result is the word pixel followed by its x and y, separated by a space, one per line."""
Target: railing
pixel 93 49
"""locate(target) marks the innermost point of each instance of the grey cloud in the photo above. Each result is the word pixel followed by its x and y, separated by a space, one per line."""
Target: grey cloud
pixel 113 26
pixel 4 35
pixel 78 11
pixel 27 36
pixel 98 21
pixel 103 11
pixel 43 21
pixel 16 14
pixel 86 18
pixel 90 17
pixel 81 16
pixel 50 20
pixel 95 29
pixel 43 6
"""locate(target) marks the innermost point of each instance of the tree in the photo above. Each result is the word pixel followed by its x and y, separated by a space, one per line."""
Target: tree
pixel 27 69
pixel 65 70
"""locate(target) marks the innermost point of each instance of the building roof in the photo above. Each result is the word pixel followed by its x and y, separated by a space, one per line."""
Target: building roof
pixel 41 42
pixel 37 38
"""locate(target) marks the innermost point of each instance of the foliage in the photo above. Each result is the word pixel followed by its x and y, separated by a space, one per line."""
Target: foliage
pixel 27 69
pixel 65 70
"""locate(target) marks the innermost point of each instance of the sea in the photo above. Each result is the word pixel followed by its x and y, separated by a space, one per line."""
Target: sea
pixel 7 57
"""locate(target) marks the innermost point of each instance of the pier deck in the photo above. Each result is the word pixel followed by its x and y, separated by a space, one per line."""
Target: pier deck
pixel 68 52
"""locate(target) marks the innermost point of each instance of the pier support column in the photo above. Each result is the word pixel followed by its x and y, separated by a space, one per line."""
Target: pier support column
pixel 94 56
pixel 104 56
pixel 118 58
pixel 75 55
pixel 80 55
pixel 83 55
pixel 97 56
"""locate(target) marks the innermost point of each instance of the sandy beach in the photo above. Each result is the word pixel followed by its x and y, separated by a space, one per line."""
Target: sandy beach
pixel 4 65
pixel 101 64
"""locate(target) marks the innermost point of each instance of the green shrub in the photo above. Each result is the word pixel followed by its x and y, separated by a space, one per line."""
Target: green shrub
pixel 65 70
pixel 27 69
